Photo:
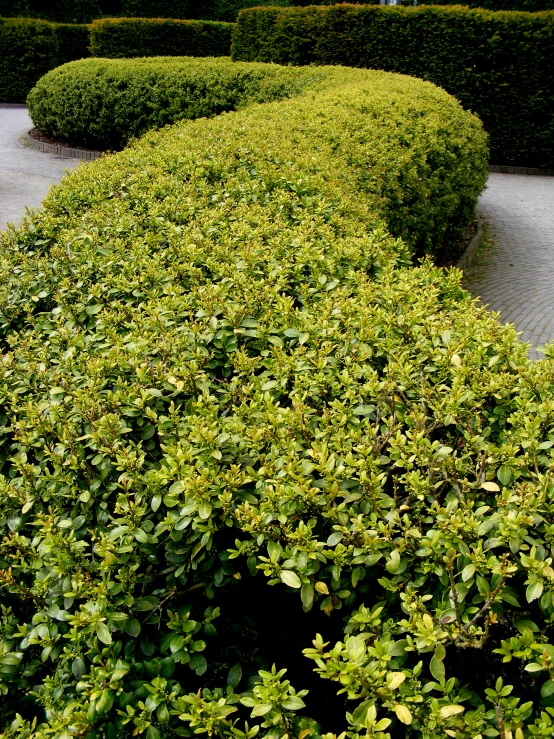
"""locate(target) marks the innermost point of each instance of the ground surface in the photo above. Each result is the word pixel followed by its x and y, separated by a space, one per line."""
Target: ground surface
pixel 515 274
pixel 25 173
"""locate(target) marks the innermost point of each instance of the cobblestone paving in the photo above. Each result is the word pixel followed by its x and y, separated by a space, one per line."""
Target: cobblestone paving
pixel 515 274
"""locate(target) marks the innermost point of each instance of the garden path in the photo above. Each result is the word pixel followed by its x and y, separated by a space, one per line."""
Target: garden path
pixel 25 173
pixel 515 274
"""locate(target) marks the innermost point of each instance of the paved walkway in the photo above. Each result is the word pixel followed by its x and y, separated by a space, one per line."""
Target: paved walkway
pixel 515 275
pixel 25 173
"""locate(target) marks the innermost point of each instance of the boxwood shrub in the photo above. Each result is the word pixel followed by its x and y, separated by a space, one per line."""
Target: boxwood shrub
pixel 102 103
pixel 495 64
pixel 236 421
pixel 135 37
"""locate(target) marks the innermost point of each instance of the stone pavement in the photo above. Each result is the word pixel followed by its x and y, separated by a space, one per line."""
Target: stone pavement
pixel 515 274
pixel 25 173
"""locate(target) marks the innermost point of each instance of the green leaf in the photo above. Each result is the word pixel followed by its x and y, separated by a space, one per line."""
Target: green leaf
pixel 103 633
pixel 307 595
pixel 436 668
pixel 234 676
pixel 534 591
pixel 451 710
pixel 132 627
pixel 504 474
pixel 403 714
pixel 290 578
pixel 293 703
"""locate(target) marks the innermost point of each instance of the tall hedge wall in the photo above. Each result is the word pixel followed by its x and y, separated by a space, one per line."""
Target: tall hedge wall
pixel 497 64
pixel 65 11
pixel 525 5
pixel 32 47
pixel 136 37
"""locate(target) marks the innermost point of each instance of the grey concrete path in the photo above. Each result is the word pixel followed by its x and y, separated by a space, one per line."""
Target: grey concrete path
pixel 515 274
pixel 25 173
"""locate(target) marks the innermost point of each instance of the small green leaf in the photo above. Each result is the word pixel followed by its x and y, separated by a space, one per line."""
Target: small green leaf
pixel 234 676
pixel 103 633
pixel 290 578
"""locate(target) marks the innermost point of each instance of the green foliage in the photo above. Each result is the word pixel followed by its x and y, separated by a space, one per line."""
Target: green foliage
pixel 231 407
pixel 102 103
pixel 73 42
pixel 14 8
pixel 135 37
pixel 30 48
pixel 226 10
pixel 155 8
pixel 525 5
pixel 65 11
pixel 496 64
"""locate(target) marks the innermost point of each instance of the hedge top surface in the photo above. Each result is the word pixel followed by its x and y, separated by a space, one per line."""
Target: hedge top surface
pixel 103 101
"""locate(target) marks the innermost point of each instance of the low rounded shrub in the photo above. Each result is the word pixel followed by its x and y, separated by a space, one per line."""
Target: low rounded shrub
pixel 102 103
pixel 234 418
pixel 427 181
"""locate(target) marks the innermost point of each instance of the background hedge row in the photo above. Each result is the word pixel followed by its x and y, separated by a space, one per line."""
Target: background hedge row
pixel 497 64
pixel 137 37
pixel 84 11
pixel 528 6
pixel 32 47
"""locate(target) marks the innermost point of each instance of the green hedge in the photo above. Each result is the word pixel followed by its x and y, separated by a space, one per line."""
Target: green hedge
pixel 29 50
pixel 496 64
pixel 132 37
pixel 73 42
pixel 14 8
pixel 226 10
pixel 155 8
pixel 525 5
pixel 102 103
pixel 32 47
pixel 65 11
pixel 233 417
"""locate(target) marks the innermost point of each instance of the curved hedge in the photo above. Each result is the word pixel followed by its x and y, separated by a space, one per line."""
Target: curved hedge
pixel 496 64
pixel 102 103
pixel 234 417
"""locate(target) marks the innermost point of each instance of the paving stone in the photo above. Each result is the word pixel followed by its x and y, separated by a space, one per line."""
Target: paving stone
pixel 515 274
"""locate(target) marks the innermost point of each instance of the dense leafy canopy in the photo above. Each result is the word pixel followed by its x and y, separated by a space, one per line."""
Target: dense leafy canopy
pixel 236 420
pixel 496 64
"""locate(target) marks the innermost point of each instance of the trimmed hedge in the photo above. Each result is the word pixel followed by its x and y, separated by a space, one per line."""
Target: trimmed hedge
pixel 29 50
pixel 73 42
pixel 136 37
pixel 496 64
pixel 102 103
pixel 232 416
pixel 226 10
pixel 525 5
pixel 155 8
pixel 14 8
pixel 32 47
pixel 65 11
